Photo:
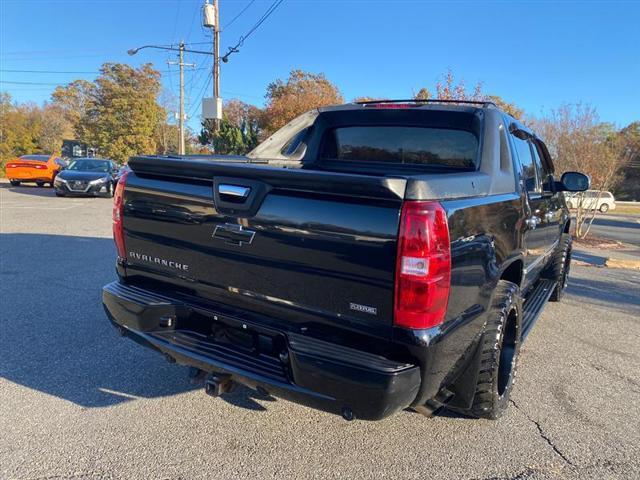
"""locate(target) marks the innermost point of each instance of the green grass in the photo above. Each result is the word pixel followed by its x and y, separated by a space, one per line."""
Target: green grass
pixel 625 210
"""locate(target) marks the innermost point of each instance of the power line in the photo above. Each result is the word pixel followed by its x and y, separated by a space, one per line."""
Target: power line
pixel 239 14
pixel 48 71
pixel 175 25
pixel 243 38
pixel 77 72
pixel 193 109
pixel 193 18
pixel 31 83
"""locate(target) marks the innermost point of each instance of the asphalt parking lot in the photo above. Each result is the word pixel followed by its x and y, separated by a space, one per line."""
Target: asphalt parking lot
pixel 77 401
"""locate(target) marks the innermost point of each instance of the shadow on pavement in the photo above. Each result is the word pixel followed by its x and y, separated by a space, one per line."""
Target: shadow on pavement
pixel 589 258
pixel 613 222
pixel 30 189
pixel 55 337
pixel 601 292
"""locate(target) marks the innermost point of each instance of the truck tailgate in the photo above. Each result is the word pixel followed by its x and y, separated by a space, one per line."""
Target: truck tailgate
pixel 306 247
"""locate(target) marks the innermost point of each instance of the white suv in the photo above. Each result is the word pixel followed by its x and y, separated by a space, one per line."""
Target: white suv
pixel 603 201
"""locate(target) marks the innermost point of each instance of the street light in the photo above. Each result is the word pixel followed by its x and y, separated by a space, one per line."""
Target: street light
pixel 133 51
pixel 181 50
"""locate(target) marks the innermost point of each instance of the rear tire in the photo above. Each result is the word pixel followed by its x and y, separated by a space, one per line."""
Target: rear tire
pixel 604 208
pixel 15 183
pixel 500 346
pixel 558 269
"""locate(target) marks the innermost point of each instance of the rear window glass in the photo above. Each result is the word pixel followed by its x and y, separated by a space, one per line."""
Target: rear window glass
pixel 39 158
pixel 401 145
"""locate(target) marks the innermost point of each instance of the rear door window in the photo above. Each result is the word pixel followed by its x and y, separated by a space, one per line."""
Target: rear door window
pixel 397 144
pixel 527 162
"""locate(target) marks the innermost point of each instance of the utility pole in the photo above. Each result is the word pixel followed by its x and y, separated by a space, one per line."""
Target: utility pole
pixel 216 53
pixel 181 64
pixel 212 107
pixel 181 50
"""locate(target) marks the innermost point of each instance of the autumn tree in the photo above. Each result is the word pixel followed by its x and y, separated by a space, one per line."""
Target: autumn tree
pixel 629 186
pixel 303 91
pixel 74 101
pixel 509 108
pixel 166 134
pixel 368 99
pixel 238 132
pixel 20 127
pixel 123 112
pixel 55 127
pixel 422 94
pixel 448 88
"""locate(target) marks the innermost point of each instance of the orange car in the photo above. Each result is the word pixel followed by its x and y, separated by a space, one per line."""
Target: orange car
pixel 40 169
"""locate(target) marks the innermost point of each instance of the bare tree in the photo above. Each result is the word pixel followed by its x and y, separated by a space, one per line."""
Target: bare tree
pixel 580 142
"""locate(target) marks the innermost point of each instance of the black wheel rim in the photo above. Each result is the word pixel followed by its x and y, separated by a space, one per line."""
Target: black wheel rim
pixel 508 352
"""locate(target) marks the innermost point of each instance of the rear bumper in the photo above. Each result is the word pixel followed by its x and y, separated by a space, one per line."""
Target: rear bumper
pixel 296 367
pixel 28 177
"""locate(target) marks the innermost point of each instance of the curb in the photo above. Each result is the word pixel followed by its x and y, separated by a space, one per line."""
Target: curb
pixel 616 263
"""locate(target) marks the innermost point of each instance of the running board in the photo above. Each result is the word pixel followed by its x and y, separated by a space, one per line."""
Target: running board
pixel 534 303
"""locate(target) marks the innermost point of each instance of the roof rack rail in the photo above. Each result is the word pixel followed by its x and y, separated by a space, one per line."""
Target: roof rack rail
pixel 429 100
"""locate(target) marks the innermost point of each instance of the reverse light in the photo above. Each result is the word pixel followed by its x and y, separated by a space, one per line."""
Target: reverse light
pixel 118 215
pixel 423 267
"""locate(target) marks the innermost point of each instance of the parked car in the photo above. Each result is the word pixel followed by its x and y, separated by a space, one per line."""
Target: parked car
pixel 364 259
pixel 122 170
pixel 87 176
pixel 38 169
pixel 592 199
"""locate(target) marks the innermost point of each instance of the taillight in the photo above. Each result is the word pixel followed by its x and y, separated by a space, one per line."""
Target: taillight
pixel 40 167
pixel 423 269
pixel 12 165
pixel 118 215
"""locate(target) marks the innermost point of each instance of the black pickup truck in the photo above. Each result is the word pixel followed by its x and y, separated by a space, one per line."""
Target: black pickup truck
pixel 364 259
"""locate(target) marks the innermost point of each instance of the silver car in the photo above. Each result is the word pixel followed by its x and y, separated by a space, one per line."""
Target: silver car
pixel 592 199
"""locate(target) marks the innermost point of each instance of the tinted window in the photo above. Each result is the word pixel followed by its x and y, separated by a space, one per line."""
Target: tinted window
pixel 38 158
pixel 90 165
pixel 523 149
pixel 292 146
pixel 401 145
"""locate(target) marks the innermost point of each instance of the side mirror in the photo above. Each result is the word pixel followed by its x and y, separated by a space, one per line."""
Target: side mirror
pixel 574 182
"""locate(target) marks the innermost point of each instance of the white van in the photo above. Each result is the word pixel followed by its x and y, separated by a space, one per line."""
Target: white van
pixel 603 201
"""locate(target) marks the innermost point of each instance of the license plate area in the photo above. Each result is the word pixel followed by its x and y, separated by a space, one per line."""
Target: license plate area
pixel 224 330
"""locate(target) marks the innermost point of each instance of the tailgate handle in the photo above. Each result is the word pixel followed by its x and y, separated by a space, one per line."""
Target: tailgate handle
pixel 234 190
